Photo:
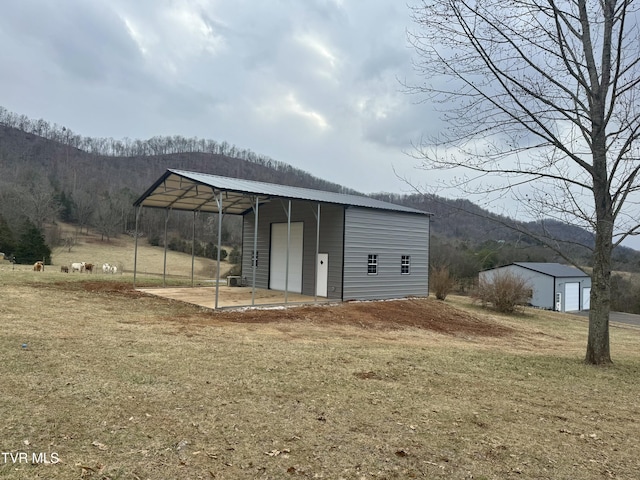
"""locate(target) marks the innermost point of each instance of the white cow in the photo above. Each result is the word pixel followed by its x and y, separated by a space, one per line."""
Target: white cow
pixel 107 268
pixel 77 267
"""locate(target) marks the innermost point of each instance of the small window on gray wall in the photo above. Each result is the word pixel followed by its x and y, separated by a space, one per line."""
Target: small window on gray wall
pixel 372 265
pixel 405 265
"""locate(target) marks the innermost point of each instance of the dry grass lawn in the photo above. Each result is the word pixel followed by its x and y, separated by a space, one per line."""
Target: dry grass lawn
pixel 121 385
pixel 119 251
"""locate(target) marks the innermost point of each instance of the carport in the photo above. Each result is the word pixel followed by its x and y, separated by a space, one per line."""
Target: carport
pixel 311 243
pixel 190 191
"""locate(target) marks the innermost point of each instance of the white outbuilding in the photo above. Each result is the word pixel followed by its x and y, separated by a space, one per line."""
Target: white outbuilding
pixel 555 286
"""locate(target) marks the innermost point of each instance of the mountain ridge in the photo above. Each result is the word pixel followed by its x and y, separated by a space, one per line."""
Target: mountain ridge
pixel 106 169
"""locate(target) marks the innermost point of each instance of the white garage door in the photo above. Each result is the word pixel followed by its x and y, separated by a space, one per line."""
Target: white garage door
pixel 278 259
pixel 571 297
pixel 586 298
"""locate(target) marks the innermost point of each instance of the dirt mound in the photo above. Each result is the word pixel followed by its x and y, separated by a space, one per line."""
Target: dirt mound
pixel 428 314
pixel 422 313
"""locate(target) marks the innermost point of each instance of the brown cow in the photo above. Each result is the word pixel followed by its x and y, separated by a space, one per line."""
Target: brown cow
pixel 38 267
pixel 64 269
pixel 88 267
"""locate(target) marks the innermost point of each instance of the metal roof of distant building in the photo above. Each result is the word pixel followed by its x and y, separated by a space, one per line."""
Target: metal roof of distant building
pixel 183 190
pixel 552 269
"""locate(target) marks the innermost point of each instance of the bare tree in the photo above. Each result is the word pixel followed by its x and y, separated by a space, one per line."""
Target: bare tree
pixel 84 207
pixel 106 218
pixel 541 94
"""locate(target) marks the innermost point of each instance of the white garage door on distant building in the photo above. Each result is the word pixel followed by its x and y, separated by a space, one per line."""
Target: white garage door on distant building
pixel 572 297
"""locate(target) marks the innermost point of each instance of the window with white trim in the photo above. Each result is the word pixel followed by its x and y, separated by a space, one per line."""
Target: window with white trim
pixel 372 264
pixel 405 264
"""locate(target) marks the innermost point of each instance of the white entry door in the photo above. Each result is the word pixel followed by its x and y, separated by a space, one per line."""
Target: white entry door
pixel 571 297
pixel 322 277
pixel 278 258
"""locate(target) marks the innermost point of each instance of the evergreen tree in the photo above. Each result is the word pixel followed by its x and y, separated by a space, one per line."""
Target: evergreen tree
pixel 7 242
pixel 66 206
pixel 31 246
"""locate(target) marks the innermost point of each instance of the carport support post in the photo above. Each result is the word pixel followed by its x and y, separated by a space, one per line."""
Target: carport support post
pixel 254 256
pixel 135 248
pixel 164 268
pixel 286 276
pixel 193 245
pixel 219 201
pixel 315 283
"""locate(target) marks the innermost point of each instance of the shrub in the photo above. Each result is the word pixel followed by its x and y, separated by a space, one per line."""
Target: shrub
pixel 154 240
pixel 177 245
pixel 504 290
pixel 236 270
pixel 235 257
pixel 441 282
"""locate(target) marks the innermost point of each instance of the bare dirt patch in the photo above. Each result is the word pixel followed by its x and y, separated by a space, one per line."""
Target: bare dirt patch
pixel 425 314
pixel 421 313
pixel 121 289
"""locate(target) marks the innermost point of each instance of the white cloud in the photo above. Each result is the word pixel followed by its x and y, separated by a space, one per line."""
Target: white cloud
pixel 312 83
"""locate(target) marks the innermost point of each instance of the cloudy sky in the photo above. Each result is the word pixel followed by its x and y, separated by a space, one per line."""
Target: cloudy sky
pixel 313 83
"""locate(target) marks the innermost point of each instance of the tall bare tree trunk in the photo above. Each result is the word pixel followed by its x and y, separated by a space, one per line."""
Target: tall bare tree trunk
pixel 598 352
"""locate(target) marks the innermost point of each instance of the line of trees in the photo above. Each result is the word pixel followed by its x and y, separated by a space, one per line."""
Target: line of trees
pixel 156 146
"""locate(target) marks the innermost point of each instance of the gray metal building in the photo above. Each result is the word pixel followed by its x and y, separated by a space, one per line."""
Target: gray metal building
pixel 322 244
pixel 555 286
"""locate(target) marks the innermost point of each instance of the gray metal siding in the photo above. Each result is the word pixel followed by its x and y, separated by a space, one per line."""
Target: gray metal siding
pixel 331 234
pixel 331 242
pixel 388 235
pixel 544 286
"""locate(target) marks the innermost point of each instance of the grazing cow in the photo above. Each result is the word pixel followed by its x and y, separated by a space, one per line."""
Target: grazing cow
pixel 108 268
pixel 64 269
pixel 38 267
pixel 77 267
pixel 88 267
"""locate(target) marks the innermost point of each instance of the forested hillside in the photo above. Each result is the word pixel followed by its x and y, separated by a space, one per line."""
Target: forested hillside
pixel 49 173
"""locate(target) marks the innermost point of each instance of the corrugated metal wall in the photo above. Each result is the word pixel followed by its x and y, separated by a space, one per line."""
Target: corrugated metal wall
pixel 331 237
pixel 389 235
pixel 545 287
pixel 541 284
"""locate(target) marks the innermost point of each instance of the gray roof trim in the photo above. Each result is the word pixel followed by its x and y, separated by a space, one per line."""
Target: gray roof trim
pixel 183 190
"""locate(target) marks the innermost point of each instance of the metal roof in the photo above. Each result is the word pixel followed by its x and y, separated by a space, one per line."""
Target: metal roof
pixel 552 269
pixel 182 190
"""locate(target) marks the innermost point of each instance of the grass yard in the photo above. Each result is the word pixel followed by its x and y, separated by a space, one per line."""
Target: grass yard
pixel 114 384
pixel 119 251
